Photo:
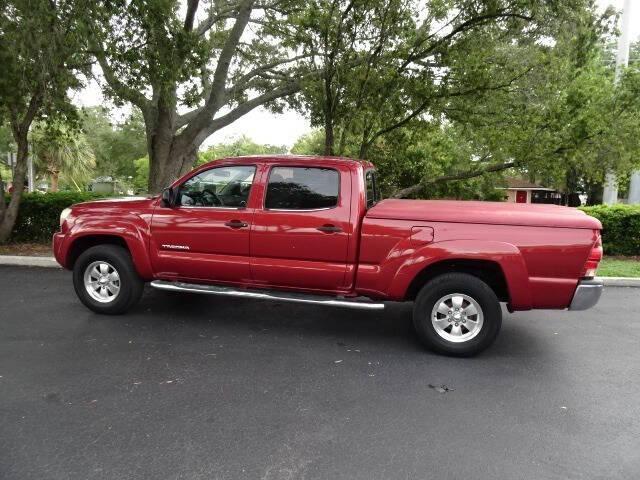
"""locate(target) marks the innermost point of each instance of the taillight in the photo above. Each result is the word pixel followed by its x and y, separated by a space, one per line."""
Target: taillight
pixel 591 265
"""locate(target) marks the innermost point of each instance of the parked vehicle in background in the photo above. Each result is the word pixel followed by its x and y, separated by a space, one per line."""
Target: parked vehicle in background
pixel 313 230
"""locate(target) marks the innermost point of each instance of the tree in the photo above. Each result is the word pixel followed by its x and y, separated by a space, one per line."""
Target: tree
pixel 63 151
pixel 242 146
pixel 312 143
pixel 239 147
pixel 116 146
pixel 204 61
pixel 487 74
pixel 39 45
pixel 388 62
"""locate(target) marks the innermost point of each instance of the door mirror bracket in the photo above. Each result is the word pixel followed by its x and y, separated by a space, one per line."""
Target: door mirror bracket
pixel 167 197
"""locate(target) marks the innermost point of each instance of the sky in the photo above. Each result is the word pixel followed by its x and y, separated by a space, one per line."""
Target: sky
pixel 284 129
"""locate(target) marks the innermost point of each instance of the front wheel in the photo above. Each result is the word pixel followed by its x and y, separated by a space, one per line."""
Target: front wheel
pixel 106 281
pixel 457 314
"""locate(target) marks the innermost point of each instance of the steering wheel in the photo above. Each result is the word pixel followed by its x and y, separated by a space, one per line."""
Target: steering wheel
pixel 212 197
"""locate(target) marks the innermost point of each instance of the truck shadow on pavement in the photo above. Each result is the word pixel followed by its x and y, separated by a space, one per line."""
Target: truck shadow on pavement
pixel 390 329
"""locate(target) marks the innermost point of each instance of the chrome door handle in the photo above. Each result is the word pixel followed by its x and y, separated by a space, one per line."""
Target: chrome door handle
pixel 236 224
pixel 329 229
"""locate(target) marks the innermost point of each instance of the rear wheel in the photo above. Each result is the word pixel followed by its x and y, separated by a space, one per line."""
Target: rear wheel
pixel 106 281
pixel 457 314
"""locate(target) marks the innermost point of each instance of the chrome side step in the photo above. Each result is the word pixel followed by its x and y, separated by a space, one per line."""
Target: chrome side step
pixel 267 295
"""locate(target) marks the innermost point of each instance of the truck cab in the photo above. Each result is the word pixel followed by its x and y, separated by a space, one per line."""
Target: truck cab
pixel 281 223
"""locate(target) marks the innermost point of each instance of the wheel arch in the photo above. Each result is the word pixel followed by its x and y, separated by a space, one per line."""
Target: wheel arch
pixel 499 264
pixel 488 271
pixel 85 242
pixel 121 236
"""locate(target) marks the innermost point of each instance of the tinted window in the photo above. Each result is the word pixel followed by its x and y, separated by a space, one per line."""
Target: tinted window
pixel 373 195
pixel 218 187
pixel 299 188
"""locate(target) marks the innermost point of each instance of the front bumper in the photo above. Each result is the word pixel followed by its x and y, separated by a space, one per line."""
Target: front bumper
pixel 58 247
pixel 587 294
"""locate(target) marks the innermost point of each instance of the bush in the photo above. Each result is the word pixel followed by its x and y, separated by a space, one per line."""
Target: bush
pixel 39 215
pixel 620 228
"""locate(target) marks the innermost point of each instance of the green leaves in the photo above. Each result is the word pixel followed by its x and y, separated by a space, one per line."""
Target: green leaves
pixel 621 228
pixel 62 151
pixel 115 146
pixel 426 89
pixel 39 216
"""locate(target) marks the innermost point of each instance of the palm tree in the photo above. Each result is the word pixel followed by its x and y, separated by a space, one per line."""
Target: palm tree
pixel 63 152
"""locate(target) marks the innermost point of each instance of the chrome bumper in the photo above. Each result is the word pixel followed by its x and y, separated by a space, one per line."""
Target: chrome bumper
pixel 587 294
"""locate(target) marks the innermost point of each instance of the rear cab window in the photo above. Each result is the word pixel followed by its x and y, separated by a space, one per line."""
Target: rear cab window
pixel 302 188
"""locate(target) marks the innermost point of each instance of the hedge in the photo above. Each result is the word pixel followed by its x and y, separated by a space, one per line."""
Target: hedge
pixel 620 228
pixel 39 218
pixel 39 215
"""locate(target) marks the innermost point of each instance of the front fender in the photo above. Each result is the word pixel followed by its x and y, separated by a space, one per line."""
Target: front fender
pixel 506 255
pixel 134 232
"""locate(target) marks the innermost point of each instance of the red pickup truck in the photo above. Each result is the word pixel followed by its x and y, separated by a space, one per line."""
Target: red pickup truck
pixel 313 230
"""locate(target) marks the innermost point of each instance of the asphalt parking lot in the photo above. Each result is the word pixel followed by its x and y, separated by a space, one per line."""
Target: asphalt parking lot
pixel 195 387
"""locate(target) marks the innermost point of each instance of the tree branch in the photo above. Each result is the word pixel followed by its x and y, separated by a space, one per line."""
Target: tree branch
pixel 198 121
pixel 220 122
pixel 192 8
pixel 464 26
pixel 476 172
pixel 214 17
pixel 127 93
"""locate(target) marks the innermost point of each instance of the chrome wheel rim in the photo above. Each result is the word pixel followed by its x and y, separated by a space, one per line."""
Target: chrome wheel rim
pixel 102 281
pixel 457 317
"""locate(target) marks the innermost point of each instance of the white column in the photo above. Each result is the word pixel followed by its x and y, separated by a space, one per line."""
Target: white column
pixel 31 176
pixel 610 193
pixel 634 187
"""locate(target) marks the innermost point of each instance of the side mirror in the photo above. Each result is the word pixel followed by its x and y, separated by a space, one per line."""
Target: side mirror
pixel 167 197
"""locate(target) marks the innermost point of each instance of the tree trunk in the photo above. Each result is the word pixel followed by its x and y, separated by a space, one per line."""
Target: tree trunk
pixel 55 176
pixel 8 220
pixel 594 193
pixel 168 160
pixel 328 136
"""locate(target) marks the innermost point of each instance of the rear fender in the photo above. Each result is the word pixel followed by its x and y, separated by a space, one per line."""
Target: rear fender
pixel 506 255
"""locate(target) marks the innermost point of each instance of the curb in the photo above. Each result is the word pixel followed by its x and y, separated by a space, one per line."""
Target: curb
pixel 28 261
pixel 620 281
pixel 50 262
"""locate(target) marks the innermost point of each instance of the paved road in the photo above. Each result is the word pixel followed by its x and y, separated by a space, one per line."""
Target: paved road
pixel 190 387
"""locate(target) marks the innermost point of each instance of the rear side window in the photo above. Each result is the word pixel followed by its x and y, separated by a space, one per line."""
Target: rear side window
pixel 373 196
pixel 301 188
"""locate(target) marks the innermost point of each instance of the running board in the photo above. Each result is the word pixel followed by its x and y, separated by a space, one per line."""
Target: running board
pixel 267 295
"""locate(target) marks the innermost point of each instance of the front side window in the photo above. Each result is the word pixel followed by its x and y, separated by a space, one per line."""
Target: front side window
pixel 301 188
pixel 218 187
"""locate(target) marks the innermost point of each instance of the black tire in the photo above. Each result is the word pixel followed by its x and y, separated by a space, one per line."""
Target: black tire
pixel 131 285
pixel 470 286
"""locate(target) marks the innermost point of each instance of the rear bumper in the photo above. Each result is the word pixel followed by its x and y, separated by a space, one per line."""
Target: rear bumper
pixel 587 294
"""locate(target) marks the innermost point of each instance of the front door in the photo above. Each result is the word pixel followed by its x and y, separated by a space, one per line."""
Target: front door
pixel 205 236
pixel 300 235
pixel 521 196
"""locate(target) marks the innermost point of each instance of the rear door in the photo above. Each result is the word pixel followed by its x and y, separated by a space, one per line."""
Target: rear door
pixel 205 236
pixel 300 235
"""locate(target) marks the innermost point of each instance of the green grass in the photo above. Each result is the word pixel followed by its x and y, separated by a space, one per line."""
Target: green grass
pixel 619 267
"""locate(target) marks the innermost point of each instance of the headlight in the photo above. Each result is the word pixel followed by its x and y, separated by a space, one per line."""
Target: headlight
pixel 63 216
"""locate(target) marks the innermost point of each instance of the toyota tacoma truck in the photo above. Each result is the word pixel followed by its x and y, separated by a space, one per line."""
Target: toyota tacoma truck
pixel 314 230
